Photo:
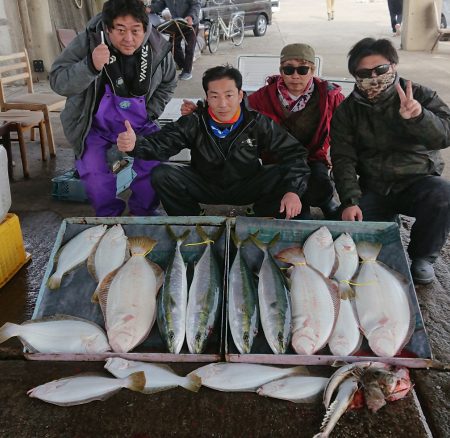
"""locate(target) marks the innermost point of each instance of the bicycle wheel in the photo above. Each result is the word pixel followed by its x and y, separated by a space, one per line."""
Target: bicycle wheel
pixel 213 37
pixel 237 30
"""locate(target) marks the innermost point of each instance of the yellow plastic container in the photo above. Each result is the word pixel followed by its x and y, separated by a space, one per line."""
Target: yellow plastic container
pixel 12 251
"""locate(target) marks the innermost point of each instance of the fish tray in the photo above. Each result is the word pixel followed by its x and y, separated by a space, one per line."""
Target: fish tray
pixel 12 254
pixel 74 295
pixel 67 187
pixel 416 354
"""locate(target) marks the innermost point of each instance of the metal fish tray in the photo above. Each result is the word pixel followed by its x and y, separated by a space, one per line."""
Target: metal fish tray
pixel 416 354
pixel 74 295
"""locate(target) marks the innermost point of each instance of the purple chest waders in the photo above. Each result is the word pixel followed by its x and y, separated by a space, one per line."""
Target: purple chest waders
pixel 98 180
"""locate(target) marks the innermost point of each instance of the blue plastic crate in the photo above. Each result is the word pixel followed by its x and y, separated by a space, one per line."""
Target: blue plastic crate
pixel 67 187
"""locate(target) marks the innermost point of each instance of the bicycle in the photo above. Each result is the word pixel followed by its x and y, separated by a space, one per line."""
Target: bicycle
pixel 234 31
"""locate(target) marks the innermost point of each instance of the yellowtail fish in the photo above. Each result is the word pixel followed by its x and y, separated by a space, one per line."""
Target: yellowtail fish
pixel 110 254
pixel 274 300
pixel 205 297
pixel 84 388
pixel 243 315
pixel 58 334
pixel 128 297
pixel 246 377
pixel 346 338
pixel 315 303
pixel 75 252
pixel 383 303
pixel 297 389
pixel 158 377
pixel 172 299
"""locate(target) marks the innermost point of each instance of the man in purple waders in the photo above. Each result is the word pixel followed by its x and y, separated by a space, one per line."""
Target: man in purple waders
pixel 118 69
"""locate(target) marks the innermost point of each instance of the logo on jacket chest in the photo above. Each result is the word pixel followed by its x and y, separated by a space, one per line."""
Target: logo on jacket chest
pixel 250 143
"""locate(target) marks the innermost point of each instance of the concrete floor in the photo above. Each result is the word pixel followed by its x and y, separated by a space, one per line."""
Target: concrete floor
pixel 208 413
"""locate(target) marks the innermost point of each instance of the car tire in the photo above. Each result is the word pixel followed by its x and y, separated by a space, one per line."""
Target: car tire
pixel 260 25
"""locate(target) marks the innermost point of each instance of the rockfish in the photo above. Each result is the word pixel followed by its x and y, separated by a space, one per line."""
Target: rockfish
pixel 246 377
pixel 58 334
pixel 205 297
pixel 346 337
pixel 382 303
pixel 128 297
pixel 110 254
pixel 274 300
pixel 243 315
pixel 84 388
pixel 172 300
pixel 75 252
pixel 314 303
pixel 158 377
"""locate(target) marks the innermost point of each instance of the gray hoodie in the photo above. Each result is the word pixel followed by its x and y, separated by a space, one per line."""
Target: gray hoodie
pixel 72 76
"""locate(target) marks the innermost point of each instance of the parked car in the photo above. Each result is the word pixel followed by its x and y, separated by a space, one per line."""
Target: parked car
pixel 258 13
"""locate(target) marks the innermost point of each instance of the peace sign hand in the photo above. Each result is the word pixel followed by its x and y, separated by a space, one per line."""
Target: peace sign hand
pixel 409 107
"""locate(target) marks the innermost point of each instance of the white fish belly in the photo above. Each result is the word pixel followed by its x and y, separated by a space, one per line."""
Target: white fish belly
pixel 381 301
pixel 131 305
pixel 346 337
pixel 313 312
pixel 294 388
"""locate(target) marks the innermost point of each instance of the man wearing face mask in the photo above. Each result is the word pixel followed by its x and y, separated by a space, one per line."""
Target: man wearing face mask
pixel 388 133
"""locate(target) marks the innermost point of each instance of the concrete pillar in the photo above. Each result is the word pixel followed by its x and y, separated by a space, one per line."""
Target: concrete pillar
pixel 419 24
pixel 44 41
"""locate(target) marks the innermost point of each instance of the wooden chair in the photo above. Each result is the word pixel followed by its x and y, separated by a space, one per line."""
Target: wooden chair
pixel 65 36
pixel 17 66
pixel 21 121
pixel 440 32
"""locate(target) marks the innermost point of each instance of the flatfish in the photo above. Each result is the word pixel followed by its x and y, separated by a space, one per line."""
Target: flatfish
pixel 319 251
pixel 110 253
pixel 58 334
pixel 315 303
pixel 158 377
pixel 231 377
pixel 346 337
pixel 383 303
pixel 84 388
pixel 75 252
pixel 128 297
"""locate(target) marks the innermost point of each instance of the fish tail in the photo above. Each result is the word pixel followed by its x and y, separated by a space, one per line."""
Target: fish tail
pixel 174 237
pixel 136 381
pixel 258 243
pixel 368 250
pixel 95 297
pixel 8 330
pixel 141 245
pixel 201 232
pixel 54 282
pixel 299 370
pixel 236 241
pixel 192 383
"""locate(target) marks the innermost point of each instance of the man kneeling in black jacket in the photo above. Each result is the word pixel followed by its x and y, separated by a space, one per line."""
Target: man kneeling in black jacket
pixel 226 141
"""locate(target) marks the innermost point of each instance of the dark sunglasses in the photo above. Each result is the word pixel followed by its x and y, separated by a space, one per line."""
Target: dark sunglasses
pixel 301 70
pixel 367 72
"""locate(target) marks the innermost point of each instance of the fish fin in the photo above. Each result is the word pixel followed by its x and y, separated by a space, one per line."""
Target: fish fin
pixel 91 261
pixel 159 274
pixel 103 290
pixel 136 381
pixel 8 330
pixel 54 282
pixel 95 296
pixel 274 240
pixel 368 250
pixel 149 391
pixel 141 245
pixel 299 370
pixel 193 382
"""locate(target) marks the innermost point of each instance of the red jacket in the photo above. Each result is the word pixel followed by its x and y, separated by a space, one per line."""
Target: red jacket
pixel 265 100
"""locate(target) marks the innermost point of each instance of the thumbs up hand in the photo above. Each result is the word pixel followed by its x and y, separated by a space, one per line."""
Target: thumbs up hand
pixel 126 140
